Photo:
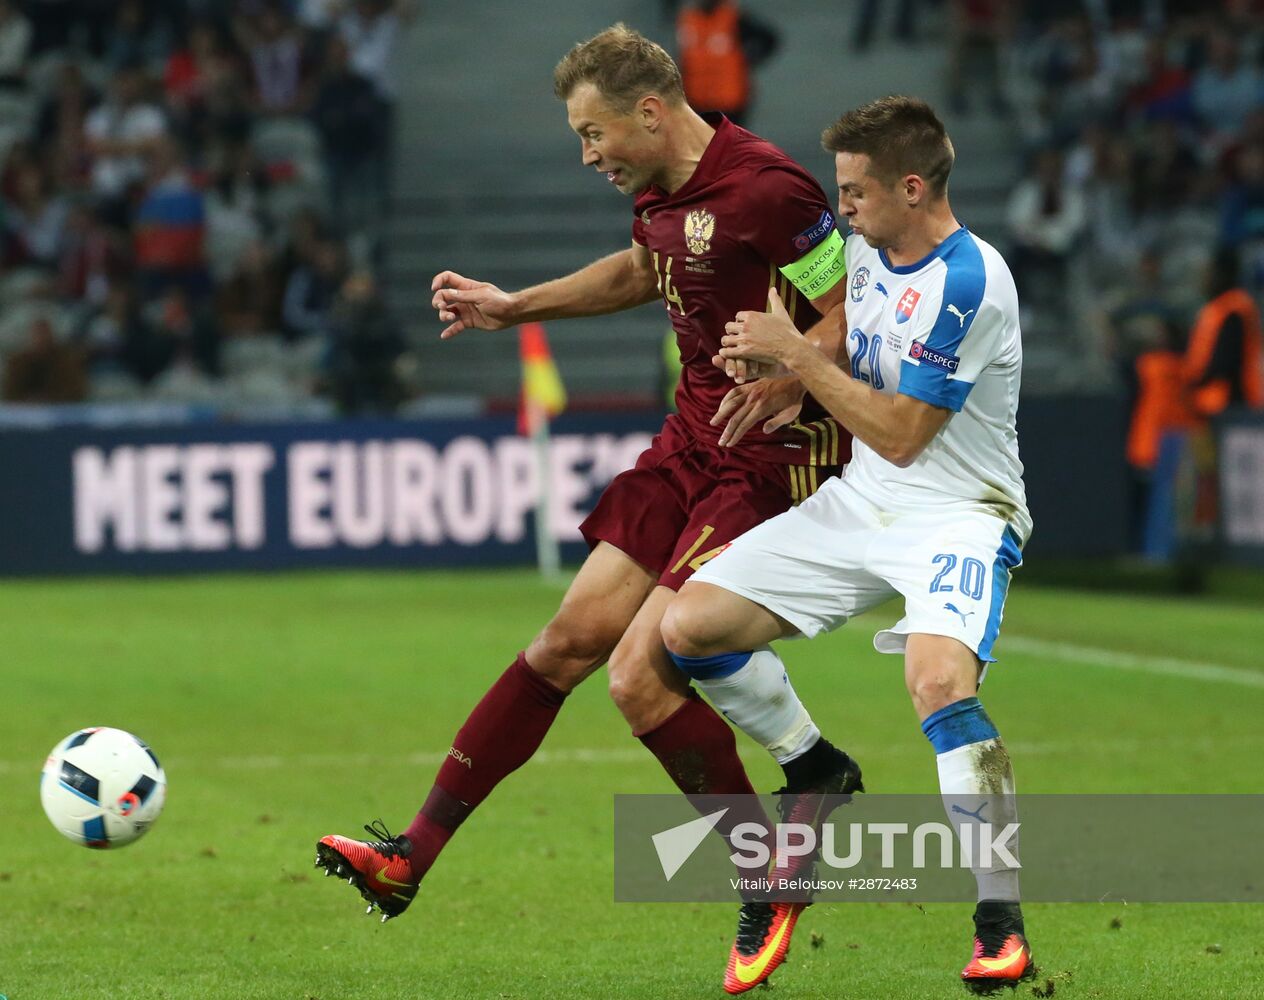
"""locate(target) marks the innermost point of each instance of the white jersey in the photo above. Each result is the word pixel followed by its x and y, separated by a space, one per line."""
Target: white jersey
pixel 943 330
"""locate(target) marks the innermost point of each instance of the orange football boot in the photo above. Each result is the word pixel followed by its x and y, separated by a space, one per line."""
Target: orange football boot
pixel 378 868
pixel 763 939
pixel 1002 956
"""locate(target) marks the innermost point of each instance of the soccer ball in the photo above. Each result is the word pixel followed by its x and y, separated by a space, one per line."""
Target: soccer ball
pixel 102 787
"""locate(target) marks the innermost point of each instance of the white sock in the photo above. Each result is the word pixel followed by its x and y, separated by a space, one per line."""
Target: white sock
pixel 976 781
pixel 759 699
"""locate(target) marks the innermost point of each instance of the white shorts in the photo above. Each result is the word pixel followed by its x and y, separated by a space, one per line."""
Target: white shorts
pixel 836 555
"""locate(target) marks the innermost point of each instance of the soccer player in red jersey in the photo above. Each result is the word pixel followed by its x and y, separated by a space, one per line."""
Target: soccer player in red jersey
pixel 719 216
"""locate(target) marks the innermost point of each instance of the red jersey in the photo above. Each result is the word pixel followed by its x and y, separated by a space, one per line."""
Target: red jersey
pixel 717 245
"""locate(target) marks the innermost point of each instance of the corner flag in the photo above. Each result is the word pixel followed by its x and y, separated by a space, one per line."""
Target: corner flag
pixel 543 395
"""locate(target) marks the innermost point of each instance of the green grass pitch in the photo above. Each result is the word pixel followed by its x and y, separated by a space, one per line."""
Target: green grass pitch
pixel 287 707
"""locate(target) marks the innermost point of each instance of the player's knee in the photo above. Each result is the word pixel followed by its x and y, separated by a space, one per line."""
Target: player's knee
pixel 932 690
pixel 684 629
pixel 625 689
pixel 565 654
pixel 641 694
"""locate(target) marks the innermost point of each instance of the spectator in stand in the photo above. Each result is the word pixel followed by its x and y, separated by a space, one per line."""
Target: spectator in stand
pixel 170 226
pixel 61 128
pixel 106 335
pixel 1242 204
pixel 137 37
pixel 1241 207
pixel 977 31
pixel 226 110
pixel 120 132
pixel 1166 172
pixel 305 234
pixel 371 29
pixel 1251 134
pixel 276 56
pixel 189 71
pixel 318 19
pixel 869 12
pixel 1166 90
pixel 364 346
pixel 1158 408
pixel 51 23
pixel 91 255
pixel 1090 90
pixel 1223 367
pixel 240 180
pixel 312 290
pixel 180 333
pixel 1045 216
pixel 1129 315
pixel 1224 362
pixel 720 47
pixel 44 371
pixel 21 155
pixel 249 302
pixel 348 114
pixel 1227 89
pixel 1099 165
pixel 15 45
pixel 35 218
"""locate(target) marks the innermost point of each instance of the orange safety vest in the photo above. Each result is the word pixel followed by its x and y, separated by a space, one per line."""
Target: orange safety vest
pixel 1160 406
pixel 1212 397
pixel 712 62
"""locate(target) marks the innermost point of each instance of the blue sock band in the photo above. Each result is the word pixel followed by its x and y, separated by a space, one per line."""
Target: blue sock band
pixel 959 724
pixel 706 668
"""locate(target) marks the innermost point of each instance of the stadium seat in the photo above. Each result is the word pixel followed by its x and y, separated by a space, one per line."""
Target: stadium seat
pixel 183 384
pixel 280 139
pixel 16 320
pixel 243 356
pixel 21 284
pixel 228 232
pixel 114 387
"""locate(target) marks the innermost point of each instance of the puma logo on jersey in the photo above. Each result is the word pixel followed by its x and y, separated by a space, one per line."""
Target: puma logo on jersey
pixel 461 758
pixel 961 316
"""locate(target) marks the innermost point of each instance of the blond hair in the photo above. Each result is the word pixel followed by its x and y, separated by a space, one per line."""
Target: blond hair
pixel 901 136
pixel 623 65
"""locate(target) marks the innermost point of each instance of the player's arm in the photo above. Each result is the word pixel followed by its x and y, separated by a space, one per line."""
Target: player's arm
pixel 611 284
pixel 776 400
pixel 820 276
pixel 897 427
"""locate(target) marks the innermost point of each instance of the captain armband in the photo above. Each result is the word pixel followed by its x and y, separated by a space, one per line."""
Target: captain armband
pixel 820 269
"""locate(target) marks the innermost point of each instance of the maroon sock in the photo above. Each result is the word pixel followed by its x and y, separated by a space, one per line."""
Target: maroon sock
pixel 500 735
pixel 697 750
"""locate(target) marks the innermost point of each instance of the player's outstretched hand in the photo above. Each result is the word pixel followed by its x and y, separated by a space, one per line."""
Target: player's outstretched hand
pixel 776 401
pixel 760 336
pixel 742 371
pixel 464 303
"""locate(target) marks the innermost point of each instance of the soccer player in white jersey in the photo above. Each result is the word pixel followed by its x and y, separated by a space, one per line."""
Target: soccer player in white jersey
pixel 931 508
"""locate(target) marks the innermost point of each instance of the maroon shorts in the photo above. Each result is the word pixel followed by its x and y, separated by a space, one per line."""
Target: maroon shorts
pixel 684 502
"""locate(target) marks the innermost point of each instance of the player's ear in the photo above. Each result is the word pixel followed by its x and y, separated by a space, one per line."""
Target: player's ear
pixel 649 111
pixel 914 190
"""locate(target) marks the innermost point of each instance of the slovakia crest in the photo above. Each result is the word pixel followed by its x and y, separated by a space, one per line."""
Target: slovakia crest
pixel 859 283
pixel 904 308
pixel 699 228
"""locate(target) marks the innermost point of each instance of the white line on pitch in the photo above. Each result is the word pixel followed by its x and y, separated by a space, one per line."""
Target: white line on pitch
pixel 1165 665
pixel 637 755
